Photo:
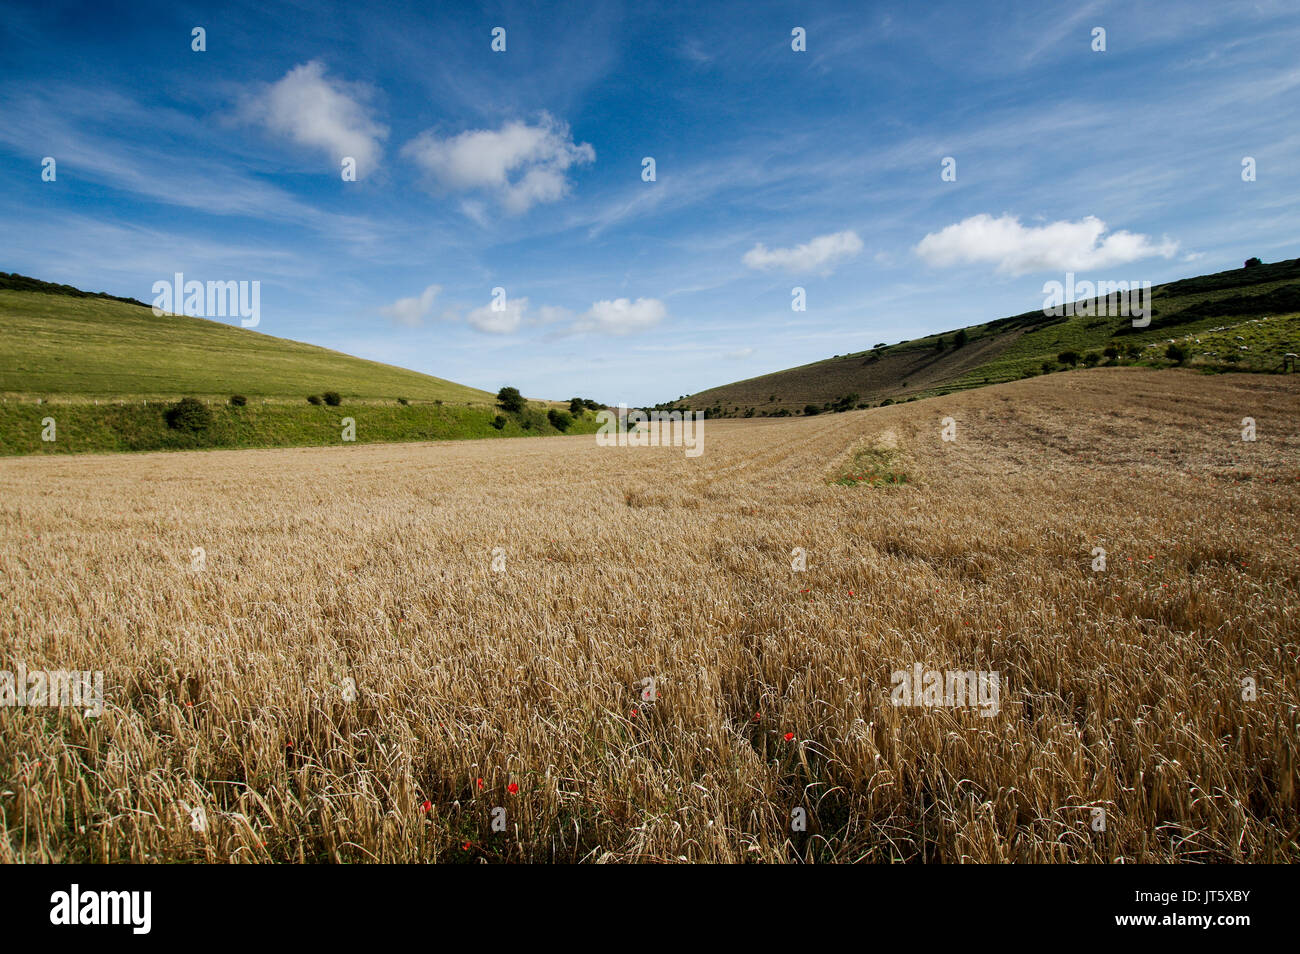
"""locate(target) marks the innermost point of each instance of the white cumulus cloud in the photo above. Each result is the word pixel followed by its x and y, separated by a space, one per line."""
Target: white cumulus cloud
pixel 411 312
pixel 622 316
pixel 819 255
pixel 1057 246
pixel 499 322
pixel 320 112
pixel 520 164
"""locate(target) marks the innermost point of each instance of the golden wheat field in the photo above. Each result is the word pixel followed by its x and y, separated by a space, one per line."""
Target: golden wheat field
pixel 348 678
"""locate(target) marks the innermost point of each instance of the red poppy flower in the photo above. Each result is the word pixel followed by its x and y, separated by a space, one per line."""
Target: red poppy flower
pixel 512 788
pixel 789 736
pixel 480 783
pixel 426 805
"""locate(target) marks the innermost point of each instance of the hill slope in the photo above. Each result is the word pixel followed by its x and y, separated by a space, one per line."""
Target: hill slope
pixel 1261 304
pixel 58 343
pixel 83 372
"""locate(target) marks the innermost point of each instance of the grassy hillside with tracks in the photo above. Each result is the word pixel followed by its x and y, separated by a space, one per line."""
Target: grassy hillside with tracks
pixel 1204 315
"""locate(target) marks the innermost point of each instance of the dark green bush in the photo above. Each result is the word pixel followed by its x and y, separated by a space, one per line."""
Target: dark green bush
pixel 511 401
pixel 1176 353
pixel 499 421
pixel 314 399
pixel 332 398
pixel 238 400
pixel 188 414
pixel 560 420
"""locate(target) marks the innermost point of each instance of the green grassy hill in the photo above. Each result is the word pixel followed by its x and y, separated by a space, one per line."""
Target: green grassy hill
pixel 1245 319
pixel 105 369
pixel 61 344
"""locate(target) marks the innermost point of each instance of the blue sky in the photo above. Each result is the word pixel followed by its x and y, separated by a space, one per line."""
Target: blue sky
pixel 522 170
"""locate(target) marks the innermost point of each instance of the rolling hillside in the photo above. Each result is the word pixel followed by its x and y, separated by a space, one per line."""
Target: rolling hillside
pixel 104 370
pixel 1244 319
pixel 53 342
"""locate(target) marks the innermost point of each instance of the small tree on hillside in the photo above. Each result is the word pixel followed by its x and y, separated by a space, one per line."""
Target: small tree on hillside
pixel 961 339
pixel 511 400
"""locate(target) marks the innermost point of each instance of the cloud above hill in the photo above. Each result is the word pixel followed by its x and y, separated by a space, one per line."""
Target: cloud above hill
pixel 411 312
pixel 319 112
pixel 520 165
pixel 622 316
pixel 821 254
pixel 1058 246
pixel 502 319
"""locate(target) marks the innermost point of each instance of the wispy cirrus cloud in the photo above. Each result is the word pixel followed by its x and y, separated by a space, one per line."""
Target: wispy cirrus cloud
pixel 1058 246
pixel 105 137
